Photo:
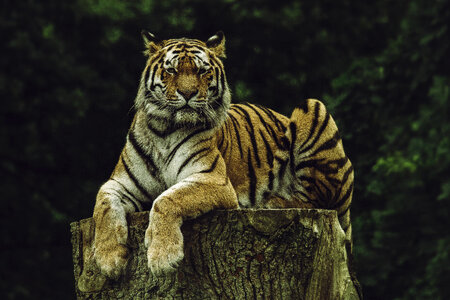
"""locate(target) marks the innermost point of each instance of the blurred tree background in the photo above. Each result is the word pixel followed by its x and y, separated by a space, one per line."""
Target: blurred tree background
pixel 69 75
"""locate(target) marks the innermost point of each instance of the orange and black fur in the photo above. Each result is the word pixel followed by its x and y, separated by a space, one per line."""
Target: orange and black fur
pixel 189 151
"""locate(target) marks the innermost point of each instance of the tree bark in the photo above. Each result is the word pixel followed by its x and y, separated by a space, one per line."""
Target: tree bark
pixel 229 254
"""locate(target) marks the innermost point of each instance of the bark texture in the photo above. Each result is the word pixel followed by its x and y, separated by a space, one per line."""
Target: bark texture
pixel 229 254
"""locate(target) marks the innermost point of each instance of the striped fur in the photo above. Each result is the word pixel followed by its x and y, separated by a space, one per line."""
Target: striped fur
pixel 189 151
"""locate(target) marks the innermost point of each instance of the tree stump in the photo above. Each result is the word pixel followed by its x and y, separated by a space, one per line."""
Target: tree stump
pixel 229 254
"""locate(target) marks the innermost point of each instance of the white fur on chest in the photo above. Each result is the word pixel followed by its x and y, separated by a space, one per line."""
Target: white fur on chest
pixel 169 154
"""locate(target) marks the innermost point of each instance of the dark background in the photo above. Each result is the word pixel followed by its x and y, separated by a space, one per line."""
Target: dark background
pixel 69 74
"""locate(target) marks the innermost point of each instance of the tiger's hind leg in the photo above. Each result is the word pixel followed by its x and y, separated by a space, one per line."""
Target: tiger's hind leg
pixel 322 173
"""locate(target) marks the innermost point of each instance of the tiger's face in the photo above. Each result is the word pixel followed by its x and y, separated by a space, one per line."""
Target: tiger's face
pixel 184 82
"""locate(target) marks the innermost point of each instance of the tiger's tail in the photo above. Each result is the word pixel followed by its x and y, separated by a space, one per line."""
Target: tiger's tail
pixel 323 173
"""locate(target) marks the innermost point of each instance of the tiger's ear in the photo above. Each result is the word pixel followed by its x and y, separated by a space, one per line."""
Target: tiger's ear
pixel 152 44
pixel 216 43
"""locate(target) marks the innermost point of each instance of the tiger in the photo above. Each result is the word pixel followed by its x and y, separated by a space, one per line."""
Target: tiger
pixel 189 151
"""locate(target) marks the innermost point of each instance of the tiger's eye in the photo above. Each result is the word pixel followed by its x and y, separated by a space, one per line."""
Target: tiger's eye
pixel 202 71
pixel 171 70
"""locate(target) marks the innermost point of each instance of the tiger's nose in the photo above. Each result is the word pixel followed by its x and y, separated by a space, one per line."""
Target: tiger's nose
pixel 187 94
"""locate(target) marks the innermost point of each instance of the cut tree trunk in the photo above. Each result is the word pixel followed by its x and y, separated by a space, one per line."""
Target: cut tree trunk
pixel 229 254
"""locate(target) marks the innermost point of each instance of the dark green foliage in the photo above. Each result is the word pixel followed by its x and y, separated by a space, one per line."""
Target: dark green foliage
pixel 69 74
pixel 396 106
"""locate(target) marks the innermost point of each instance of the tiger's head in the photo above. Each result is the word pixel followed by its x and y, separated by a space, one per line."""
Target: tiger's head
pixel 184 83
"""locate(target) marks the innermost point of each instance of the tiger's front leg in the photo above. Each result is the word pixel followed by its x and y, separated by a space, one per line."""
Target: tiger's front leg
pixel 189 198
pixel 111 231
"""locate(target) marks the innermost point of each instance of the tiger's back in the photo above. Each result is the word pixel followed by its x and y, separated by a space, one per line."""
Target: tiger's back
pixel 277 162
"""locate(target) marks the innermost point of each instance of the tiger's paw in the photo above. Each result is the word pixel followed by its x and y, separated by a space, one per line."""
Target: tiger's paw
pixel 165 249
pixel 111 259
pixel 164 260
pixel 110 252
